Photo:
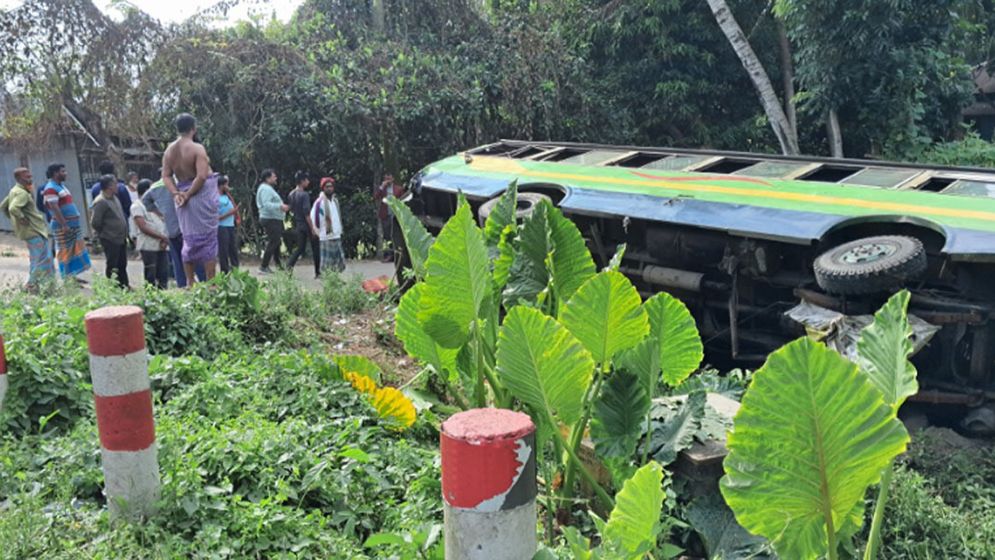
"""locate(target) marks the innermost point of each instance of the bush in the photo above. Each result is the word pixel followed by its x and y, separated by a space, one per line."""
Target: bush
pixel 971 151
pixel 919 525
pixel 239 299
pixel 341 295
pixel 262 455
pixel 46 346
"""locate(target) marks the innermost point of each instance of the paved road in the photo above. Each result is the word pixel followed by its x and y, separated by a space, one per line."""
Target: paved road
pixel 14 267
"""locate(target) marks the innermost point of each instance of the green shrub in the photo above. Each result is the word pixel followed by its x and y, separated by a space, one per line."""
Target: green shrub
pixel 47 355
pixel 920 526
pixel 342 295
pixel 240 301
pixel 971 151
pixel 262 455
pixel 184 324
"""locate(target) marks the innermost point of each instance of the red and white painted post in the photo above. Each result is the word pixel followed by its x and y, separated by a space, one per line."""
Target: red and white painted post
pixel 3 373
pixel 489 485
pixel 123 397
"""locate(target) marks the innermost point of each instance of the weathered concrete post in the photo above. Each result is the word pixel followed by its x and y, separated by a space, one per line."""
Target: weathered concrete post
pixel 123 398
pixel 489 485
pixel 3 372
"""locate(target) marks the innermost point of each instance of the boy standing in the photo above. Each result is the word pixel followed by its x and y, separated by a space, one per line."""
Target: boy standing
pixel 151 239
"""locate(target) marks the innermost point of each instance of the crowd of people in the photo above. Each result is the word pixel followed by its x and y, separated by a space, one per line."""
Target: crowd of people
pixel 186 221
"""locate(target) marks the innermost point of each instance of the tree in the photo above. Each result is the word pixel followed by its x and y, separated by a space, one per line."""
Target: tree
pixel 67 57
pixel 889 75
pixel 786 134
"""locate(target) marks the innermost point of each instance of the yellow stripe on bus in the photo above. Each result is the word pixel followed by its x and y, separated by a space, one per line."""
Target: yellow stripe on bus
pixel 505 165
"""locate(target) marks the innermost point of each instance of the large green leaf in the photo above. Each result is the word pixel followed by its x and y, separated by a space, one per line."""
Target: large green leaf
pixel 673 347
pixel 457 280
pixel 504 256
pixel 812 434
pixel 606 315
pixel 543 365
pixel 635 521
pixel 619 415
pixel 723 537
pixel 674 430
pixel 416 341
pixel 884 348
pixel 501 216
pixel 571 264
pixel 551 252
pixel 416 237
pixel 681 350
pixel 528 275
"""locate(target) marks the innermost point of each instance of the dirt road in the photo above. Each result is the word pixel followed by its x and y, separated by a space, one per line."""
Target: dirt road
pixel 14 267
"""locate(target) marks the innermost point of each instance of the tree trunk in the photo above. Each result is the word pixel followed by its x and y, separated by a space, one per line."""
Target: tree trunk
pixel 786 135
pixel 378 15
pixel 787 76
pixel 834 134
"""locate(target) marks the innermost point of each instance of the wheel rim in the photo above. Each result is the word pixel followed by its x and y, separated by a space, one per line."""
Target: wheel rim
pixel 867 253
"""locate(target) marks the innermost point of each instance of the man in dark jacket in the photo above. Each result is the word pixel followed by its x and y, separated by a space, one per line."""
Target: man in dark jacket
pixel 109 223
pixel 122 193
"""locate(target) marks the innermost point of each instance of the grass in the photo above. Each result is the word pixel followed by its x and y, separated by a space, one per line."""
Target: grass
pixel 264 452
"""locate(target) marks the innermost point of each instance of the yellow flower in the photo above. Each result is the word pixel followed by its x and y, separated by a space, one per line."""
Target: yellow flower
pixel 395 408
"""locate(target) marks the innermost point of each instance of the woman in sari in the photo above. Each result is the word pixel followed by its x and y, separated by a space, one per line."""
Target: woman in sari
pixel 70 247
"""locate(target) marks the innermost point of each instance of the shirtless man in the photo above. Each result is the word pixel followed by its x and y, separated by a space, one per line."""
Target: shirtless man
pixel 195 192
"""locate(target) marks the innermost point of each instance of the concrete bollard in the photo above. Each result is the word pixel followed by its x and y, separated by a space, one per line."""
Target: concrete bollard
pixel 3 373
pixel 123 398
pixel 489 485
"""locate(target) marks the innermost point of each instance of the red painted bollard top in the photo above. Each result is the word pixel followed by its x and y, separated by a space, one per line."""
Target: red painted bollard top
pixel 115 331
pixel 488 460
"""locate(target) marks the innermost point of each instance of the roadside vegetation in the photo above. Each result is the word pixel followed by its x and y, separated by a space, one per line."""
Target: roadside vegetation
pixel 272 445
pixel 265 450
pixel 295 423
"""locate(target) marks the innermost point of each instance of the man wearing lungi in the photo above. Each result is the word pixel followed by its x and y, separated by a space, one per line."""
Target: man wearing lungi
pixel 186 172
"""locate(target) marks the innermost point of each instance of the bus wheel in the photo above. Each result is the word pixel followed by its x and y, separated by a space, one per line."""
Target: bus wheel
pixel 870 265
pixel 527 201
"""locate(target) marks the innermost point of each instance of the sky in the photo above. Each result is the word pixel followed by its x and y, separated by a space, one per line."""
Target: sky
pixel 173 11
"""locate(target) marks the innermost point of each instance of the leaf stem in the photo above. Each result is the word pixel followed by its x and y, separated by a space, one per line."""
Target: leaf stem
pixel 605 498
pixel 874 540
pixel 649 420
pixel 577 433
pixel 479 393
pixel 832 537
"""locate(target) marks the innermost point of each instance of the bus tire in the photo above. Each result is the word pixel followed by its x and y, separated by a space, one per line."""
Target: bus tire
pixel 527 201
pixel 870 265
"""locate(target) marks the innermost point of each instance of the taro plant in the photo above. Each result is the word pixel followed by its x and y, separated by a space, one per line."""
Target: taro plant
pixel 518 313
pixel 814 432
pixel 633 527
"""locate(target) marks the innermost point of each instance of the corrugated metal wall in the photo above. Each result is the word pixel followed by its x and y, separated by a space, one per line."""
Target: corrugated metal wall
pixel 59 152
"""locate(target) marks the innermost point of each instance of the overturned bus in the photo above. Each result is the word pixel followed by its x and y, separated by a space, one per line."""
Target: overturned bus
pixel 765 248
